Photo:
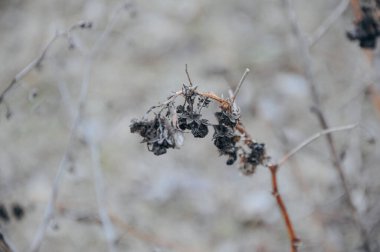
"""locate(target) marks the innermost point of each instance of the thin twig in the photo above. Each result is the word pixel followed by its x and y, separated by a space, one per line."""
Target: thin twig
pixel 328 22
pixel 240 84
pixel 49 211
pixel 36 62
pixel 188 76
pixel 312 139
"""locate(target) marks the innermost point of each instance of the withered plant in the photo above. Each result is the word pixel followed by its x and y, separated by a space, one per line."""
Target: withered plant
pixel 171 119
pixel 163 127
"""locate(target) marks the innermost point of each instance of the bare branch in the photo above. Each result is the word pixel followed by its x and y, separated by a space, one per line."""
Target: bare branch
pixel 328 22
pixel 101 197
pixel 36 62
pixel 49 211
pixel 312 139
pixel 336 162
pixel 240 84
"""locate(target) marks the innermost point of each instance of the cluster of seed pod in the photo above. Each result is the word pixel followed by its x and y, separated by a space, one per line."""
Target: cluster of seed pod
pixel 166 129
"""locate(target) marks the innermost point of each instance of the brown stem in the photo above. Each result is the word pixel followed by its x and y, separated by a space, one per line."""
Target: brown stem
pixel 224 104
pixel 294 241
pixel 240 127
pixel 355 5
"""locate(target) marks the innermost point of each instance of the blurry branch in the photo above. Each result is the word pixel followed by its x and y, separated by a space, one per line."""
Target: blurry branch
pixel 152 239
pixel 49 211
pixel 317 109
pixel 101 197
pixel 328 22
pixel 36 63
pixel 89 217
pixel 66 98
pixel 294 240
pixel 4 247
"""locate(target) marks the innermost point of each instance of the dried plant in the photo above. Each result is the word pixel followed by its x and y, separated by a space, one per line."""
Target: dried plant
pixel 165 130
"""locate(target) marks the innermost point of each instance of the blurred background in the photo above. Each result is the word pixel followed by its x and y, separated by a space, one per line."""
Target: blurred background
pixel 188 199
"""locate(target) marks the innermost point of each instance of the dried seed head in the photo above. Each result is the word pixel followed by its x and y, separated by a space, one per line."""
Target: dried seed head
pixel 227 119
pixel 158 133
pixel 257 154
pixel 199 130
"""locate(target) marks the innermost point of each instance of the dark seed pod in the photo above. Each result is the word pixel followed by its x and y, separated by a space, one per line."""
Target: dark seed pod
pixel 158 149
pixel 231 158
pixel 257 154
pixel 225 119
pixel 199 130
pixel 158 133
pixel 182 123
pixel 140 127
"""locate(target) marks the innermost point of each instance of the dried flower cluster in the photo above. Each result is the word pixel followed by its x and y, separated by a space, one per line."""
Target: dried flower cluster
pixel 166 128
pixel 366 30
